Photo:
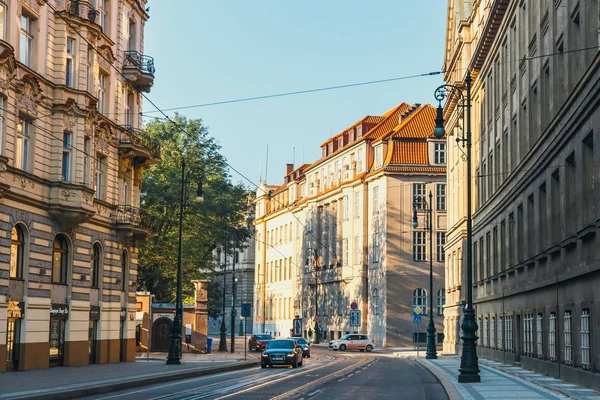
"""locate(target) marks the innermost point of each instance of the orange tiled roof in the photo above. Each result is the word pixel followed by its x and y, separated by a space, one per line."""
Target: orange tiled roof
pixel 388 124
pixel 369 119
pixel 419 124
pixel 411 153
pixel 437 170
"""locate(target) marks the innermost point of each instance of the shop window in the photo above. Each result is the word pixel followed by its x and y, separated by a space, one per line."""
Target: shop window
pixel 60 259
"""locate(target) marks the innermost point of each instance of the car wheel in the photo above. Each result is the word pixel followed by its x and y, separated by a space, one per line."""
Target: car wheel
pixel 342 347
pixel 295 363
pixel 300 363
pixel 369 348
pixel 263 365
pixel 308 356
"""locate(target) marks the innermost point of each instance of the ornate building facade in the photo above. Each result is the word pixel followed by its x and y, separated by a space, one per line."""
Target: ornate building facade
pixel 337 235
pixel 71 161
pixel 536 68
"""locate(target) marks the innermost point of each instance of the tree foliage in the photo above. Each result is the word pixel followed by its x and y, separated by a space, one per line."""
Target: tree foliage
pixel 221 218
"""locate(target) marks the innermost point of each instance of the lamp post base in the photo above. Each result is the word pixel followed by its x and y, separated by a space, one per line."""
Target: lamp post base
pixel 431 350
pixel 223 338
pixel 174 351
pixel 469 365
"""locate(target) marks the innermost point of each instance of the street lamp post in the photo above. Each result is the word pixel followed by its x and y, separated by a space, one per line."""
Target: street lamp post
pixel 315 264
pixel 469 368
pixel 431 350
pixel 223 337
pixel 233 288
pixel 174 356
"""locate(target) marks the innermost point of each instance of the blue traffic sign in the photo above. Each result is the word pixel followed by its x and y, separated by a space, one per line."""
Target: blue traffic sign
pixel 354 317
pixel 417 319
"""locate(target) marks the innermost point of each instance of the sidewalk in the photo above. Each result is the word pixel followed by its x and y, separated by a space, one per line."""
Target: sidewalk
pixel 71 382
pixel 501 381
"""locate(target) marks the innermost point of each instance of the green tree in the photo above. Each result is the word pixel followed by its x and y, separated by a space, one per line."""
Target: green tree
pixel 222 217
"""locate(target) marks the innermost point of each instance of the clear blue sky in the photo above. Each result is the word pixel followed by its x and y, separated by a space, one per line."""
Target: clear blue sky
pixel 208 51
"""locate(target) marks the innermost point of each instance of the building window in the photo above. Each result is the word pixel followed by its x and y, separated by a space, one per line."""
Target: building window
pixel 484 333
pixel 356 204
pixel 419 195
pixel 419 246
pixel 26 44
pixel 509 333
pixel 493 332
pixel 87 144
pixel 22 148
pixel 340 303
pixel 500 332
pixel 375 302
pixel 90 71
pixel 345 207
pixel 60 259
pixel 441 301
pixel 440 191
pixel 441 242
pixel 359 160
pixel 124 271
pixel 552 336
pixel 568 338
pixel 99 176
pixel 378 152
pixel 376 249
pixel 375 199
pixel 420 299
pixel 345 251
pixel 357 249
pixel 539 342
pixel 131 40
pixel 17 246
pixel 585 339
pixel 66 156
pixel 129 109
pixel 528 334
pixel 2 20
pixel 70 67
pixel 101 92
pixel 95 265
pixel 101 9
pixel 439 153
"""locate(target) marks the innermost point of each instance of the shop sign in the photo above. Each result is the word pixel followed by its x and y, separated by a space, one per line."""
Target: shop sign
pixel 59 311
pixel 94 313
pixel 15 309
pixel 123 314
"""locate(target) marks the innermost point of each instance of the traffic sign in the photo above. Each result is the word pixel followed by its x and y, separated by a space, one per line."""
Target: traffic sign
pixel 418 310
pixel 246 311
pixel 417 319
pixel 355 318
pixel 354 306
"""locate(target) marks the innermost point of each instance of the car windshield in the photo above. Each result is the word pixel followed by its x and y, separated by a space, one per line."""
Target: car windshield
pixel 280 344
pixel 263 337
pixel 346 337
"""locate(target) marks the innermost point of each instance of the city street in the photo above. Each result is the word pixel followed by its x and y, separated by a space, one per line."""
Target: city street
pixel 326 375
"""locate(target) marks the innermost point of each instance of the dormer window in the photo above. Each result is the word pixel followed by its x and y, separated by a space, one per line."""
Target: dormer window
pixel 439 153
pixel 351 136
pixel 330 147
pixel 341 142
pixel 358 131
pixel 378 156
pixel 324 151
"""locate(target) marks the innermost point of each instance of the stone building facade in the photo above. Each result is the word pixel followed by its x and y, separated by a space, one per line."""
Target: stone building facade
pixel 337 235
pixel 71 161
pixel 536 68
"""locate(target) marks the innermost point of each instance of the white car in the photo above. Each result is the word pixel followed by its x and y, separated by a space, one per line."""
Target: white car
pixel 353 341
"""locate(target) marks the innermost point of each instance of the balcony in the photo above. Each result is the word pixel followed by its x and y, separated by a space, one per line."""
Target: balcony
pixel 139 69
pixel 132 222
pixel 71 204
pixel 81 10
pixel 135 143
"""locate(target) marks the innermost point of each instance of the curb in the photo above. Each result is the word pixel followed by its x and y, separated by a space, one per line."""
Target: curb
pixel 107 387
pixel 448 386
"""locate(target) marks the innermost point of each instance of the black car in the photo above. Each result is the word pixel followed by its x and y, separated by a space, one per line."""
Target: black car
pixel 304 345
pixel 282 352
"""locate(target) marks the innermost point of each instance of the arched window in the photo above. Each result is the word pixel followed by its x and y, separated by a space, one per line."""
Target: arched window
pixel 420 299
pixel 17 245
pixel 95 265
pixel 340 303
pixel 375 301
pixel 124 270
pixel 60 259
pixel 441 300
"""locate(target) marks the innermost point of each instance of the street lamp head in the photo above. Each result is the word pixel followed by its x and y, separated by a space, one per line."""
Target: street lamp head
pixel 415 222
pixel 199 196
pixel 439 131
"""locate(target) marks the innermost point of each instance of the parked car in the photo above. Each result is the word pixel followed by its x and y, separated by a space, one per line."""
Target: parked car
pixel 281 352
pixel 304 345
pixel 259 341
pixel 353 342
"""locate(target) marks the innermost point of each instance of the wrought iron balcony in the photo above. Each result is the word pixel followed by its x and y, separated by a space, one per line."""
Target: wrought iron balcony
pixel 136 140
pixel 139 69
pixel 132 221
pixel 80 8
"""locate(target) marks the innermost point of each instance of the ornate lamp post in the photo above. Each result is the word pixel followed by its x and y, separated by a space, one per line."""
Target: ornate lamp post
pixel 469 368
pixel 233 295
pixel 223 331
pixel 431 350
pixel 174 356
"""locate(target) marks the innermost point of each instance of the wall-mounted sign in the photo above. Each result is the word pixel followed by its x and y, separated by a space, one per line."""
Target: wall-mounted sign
pixel 354 305
pixel 60 311
pixel 15 309
pixel 163 315
pixel 123 314
pixel 94 313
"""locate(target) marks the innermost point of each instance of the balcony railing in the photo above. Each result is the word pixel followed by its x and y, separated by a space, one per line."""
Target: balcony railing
pixel 128 215
pixel 80 8
pixel 134 59
pixel 131 135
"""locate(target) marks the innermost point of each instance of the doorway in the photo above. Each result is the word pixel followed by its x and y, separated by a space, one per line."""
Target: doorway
pixel 92 337
pixel 57 342
pixel 518 341
pixel 13 332
pixel 161 334
pixel 122 341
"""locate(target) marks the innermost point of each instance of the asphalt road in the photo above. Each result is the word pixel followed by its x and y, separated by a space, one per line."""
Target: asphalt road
pixel 326 375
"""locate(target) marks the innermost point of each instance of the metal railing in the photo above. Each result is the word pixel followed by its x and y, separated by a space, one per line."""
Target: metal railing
pixel 139 61
pixel 129 215
pixel 80 8
pixel 131 135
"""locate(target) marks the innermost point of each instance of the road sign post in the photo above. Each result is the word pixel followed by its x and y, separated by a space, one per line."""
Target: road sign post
pixel 417 319
pixel 355 318
pixel 246 312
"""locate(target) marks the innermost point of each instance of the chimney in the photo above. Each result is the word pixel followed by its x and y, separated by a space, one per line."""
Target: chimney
pixel 289 168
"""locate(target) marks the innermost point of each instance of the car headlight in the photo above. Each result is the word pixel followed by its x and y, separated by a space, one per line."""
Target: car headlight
pixel 291 354
pixel 265 355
